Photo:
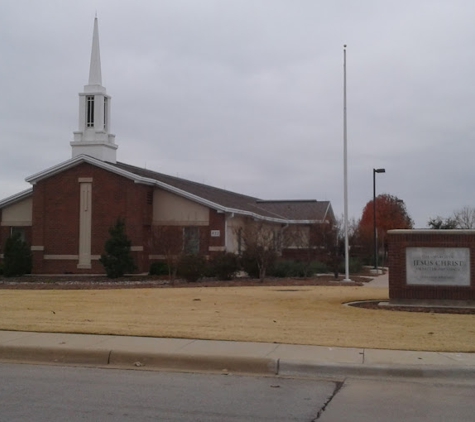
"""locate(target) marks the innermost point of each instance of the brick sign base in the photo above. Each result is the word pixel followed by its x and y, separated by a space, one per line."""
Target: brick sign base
pixel 432 267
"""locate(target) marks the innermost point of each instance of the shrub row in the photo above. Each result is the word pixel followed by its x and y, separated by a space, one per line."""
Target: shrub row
pixel 225 266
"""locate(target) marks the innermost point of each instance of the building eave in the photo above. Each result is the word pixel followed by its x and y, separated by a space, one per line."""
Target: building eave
pixel 152 182
pixel 16 198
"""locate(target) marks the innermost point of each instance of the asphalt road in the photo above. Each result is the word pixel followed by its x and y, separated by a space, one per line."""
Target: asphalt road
pixel 53 393
pixel 388 400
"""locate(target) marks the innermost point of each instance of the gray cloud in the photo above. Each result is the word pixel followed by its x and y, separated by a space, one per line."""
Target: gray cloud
pixel 247 95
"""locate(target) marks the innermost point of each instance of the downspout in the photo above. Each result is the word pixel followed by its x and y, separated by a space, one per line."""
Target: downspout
pixel 226 230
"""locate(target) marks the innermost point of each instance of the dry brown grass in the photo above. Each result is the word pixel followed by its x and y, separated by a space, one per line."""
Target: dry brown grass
pixel 293 315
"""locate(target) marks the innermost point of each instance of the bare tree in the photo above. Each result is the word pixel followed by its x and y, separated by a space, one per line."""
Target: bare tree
pixel 168 242
pixel 465 218
pixel 298 242
pixel 330 242
pixel 262 242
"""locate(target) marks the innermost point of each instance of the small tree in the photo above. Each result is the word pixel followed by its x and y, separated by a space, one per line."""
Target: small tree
pixel 168 241
pixel 117 260
pixel 262 243
pixel 17 257
pixel 331 244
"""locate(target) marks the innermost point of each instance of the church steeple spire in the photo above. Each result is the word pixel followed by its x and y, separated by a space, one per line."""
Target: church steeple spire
pixel 93 137
pixel 95 75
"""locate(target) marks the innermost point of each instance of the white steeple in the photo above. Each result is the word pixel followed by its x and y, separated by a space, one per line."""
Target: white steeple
pixel 93 137
pixel 95 75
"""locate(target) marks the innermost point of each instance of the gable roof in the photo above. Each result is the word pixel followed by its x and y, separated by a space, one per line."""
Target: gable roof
pixel 289 211
pixel 280 211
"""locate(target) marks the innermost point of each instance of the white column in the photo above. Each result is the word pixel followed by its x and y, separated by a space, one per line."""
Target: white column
pixel 85 222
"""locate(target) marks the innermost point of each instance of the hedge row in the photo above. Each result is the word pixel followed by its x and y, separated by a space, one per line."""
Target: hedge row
pixel 225 266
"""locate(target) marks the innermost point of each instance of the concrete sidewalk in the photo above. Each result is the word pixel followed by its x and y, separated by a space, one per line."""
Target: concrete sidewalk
pixel 229 357
pixel 380 281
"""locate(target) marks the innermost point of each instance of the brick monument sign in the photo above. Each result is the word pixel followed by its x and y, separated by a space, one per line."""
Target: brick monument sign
pixel 432 267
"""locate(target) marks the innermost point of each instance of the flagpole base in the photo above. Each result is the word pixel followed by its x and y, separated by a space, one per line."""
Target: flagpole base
pixel 347 280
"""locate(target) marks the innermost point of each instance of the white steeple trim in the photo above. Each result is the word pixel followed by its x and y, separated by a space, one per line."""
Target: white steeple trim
pixel 93 137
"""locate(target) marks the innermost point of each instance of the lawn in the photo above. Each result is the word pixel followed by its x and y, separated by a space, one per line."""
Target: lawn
pixel 312 315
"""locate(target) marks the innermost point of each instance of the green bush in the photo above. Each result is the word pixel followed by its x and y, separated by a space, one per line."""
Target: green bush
pixel 191 267
pixel 249 264
pixel 1 268
pixel 117 259
pixel 317 267
pixel 287 268
pixel 159 268
pixel 284 269
pixel 224 266
pixel 355 266
pixel 16 257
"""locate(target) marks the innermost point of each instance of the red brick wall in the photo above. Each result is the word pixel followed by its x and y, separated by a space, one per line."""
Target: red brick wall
pixel 399 240
pixel 56 217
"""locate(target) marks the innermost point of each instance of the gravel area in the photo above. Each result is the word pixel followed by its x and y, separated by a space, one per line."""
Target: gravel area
pixel 135 282
pixel 429 310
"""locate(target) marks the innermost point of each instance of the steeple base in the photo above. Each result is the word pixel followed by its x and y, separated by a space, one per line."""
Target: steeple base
pixel 102 150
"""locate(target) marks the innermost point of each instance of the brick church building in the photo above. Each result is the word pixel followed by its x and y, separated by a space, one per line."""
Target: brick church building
pixel 67 213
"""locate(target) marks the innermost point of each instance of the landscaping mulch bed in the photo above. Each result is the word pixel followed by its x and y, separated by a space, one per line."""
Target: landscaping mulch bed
pixel 424 309
pixel 102 282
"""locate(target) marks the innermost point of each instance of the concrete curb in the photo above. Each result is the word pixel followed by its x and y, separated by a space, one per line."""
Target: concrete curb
pixel 183 362
pixel 75 356
pixel 224 364
pixel 315 370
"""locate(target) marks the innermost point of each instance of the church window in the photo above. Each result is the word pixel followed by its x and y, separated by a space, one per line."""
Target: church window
pixel 191 240
pixel 90 111
pixel 105 114
pixel 19 231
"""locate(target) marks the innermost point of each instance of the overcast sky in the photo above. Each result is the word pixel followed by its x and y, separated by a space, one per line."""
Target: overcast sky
pixel 247 95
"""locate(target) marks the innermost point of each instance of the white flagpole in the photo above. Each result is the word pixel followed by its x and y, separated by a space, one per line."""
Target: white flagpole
pixel 345 171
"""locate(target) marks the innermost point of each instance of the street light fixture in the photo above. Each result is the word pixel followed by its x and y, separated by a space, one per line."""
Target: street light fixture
pixel 374 218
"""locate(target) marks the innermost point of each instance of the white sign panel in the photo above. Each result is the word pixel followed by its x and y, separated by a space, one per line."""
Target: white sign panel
pixel 438 266
pixel 215 233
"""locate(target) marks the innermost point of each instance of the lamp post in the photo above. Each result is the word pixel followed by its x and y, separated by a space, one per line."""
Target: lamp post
pixel 374 218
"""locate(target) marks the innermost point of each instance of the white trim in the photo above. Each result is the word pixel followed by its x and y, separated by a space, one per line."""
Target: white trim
pixel 136 248
pixel 217 248
pixel 179 223
pixel 85 179
pixel 37 248
pixel 66 257
pixel 16 198
pixel 16 223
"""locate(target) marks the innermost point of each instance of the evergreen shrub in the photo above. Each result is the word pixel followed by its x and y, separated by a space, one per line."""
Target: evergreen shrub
pixel 17 257
pixel 117 259
pixel 224 266
pixel 159 268
pixel 191 267
pixel 355 266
